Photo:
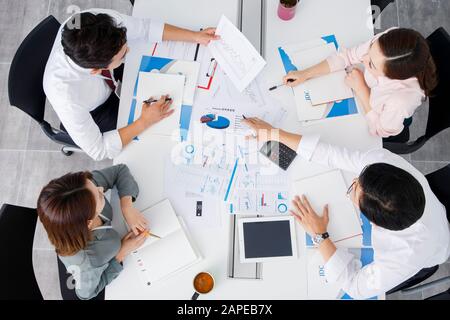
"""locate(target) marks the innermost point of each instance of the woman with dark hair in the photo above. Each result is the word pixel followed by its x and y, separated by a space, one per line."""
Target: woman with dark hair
pixel 77 218
pixel 399 74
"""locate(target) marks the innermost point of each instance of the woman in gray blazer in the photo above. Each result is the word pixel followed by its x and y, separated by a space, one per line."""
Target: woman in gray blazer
pixel 77 218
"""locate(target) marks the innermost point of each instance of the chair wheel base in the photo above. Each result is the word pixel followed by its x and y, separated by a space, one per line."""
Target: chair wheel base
pixel 66 153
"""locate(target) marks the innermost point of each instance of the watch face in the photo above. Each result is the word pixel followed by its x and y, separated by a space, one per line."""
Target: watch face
pixel 317 239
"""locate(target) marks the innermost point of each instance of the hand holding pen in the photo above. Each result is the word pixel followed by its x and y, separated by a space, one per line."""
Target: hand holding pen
pixel 292 79
pixel 153 111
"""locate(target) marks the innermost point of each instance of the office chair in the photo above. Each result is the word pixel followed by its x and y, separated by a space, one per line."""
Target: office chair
pixel 382 4
pixel 439 111
pixel 439 184
pixel 26 75
pixel 17 278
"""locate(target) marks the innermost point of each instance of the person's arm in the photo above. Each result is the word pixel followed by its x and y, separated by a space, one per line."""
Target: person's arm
pixel 86 134
pixel 342 267
pixel 173 33
pixel 156 31
pixel 336 62
pixel 120 176
pixel 151 114
pixel 310 148
pixel 355 80
pixel 294 78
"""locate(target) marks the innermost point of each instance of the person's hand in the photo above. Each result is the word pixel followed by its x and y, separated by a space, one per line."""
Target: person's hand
pixel 156 112
pixel 206 36
pixel 261 130
pixel 308 218
pixel 130 243
pixel 355 80
pixel 295 78
pixel 135 220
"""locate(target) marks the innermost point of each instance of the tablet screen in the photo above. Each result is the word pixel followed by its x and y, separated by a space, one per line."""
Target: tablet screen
pixel 267 239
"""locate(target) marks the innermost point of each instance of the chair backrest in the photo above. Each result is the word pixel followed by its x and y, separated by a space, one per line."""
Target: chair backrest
pixel 17 278
pixel 440 185
pixel 26 74
pixel 382 4
pixel 439 114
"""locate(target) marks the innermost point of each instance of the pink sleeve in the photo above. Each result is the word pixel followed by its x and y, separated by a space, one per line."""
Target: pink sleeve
pixel 389 122
pixel 347 57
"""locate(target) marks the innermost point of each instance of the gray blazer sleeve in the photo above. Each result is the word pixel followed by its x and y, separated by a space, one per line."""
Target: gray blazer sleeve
pixel 118 176
pixel 95 279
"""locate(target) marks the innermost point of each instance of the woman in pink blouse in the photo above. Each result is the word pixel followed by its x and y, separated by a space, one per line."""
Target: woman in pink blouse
pixel 399 74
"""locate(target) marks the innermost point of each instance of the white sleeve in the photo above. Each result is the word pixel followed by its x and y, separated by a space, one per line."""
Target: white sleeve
pixel 86 134
pixel 365 282
pixel 150 30
pixel 334 157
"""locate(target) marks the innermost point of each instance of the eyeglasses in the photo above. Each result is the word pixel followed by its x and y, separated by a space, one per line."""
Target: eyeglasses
pixel 350 189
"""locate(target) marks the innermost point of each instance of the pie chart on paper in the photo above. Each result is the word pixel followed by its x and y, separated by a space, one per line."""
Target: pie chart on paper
pixel 216 122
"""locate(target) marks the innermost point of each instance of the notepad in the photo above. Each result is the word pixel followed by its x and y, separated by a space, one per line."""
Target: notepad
pixel 327 88
pixel 156 85
pixel 330 188
pixel 158 259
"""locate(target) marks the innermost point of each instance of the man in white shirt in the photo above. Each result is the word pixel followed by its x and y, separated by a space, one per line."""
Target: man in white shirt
pixel 410 230
pixel 81 84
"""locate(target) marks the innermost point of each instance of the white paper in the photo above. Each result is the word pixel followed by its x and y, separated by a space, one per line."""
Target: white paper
pixel 304 59
pixel 257 193
pixel 158 259
pixel 328 88
pixel 190 70
pixel 236 55
pixel 156 85
pixel 330 188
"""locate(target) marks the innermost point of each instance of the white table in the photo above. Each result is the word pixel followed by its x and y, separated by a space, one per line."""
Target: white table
pixel 283 280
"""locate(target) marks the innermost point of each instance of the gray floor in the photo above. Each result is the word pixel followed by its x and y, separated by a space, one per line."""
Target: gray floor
pixel 28 160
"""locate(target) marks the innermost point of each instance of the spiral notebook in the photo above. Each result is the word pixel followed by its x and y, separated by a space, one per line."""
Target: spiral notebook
pixel 159 259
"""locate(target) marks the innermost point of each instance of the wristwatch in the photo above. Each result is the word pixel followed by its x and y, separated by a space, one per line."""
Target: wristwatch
pixel 319 238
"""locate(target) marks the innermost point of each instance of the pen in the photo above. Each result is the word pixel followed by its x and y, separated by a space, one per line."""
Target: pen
pixel 245 118
pixel 150 101
pixel 280 85
pixel 149 234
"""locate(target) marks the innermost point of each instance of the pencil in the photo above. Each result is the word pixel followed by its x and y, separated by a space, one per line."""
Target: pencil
pixel 149 234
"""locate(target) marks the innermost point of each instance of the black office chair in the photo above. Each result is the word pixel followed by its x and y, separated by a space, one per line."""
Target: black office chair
pixel 17 278
pixel 440 185
pixel 382 4
pixel 25 86
pixel 439 110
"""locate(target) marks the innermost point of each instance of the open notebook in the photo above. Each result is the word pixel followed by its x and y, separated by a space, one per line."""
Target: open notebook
pixel 159 259
pixel 330 188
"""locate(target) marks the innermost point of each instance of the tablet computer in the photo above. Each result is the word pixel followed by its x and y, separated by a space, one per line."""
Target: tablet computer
pixel 267 239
